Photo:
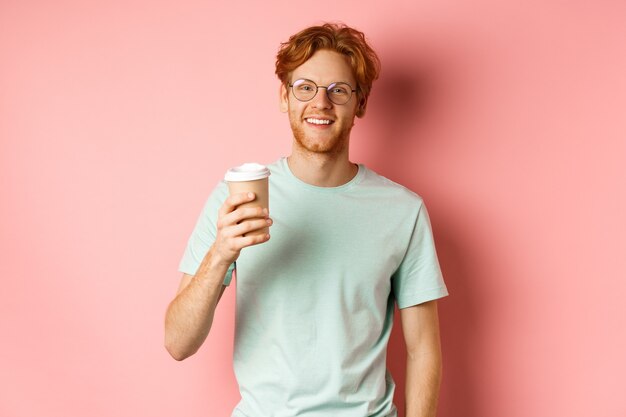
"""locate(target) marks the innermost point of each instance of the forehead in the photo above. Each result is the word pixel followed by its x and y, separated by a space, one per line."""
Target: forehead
pixel 326 67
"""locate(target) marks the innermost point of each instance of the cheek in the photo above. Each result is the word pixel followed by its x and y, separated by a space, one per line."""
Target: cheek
pixel 294 114
pixel 296 109
pixel 349 116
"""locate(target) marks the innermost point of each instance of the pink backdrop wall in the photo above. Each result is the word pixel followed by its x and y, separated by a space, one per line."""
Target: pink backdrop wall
pixel 117 118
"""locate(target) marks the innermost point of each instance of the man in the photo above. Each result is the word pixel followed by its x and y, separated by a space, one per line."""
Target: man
pixel 315 302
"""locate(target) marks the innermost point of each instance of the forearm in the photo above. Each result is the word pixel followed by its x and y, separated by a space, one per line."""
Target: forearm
pixel 189 316
pixel 423 379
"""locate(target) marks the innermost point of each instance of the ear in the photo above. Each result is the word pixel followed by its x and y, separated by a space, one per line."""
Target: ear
pixel 283 95
pixel 360 111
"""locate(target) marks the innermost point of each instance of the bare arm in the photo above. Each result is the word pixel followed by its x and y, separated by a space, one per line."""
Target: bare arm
pixel 420 325
pixel 189 316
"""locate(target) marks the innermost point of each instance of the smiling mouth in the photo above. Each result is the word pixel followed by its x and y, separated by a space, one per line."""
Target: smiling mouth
pixel 315 121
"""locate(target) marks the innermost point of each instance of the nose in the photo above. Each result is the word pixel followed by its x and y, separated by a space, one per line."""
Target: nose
pixel 321 101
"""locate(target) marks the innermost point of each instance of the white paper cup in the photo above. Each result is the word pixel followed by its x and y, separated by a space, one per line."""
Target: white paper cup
pixel 250 177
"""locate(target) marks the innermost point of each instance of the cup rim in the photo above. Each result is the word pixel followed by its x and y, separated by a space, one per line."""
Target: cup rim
pixel 247 172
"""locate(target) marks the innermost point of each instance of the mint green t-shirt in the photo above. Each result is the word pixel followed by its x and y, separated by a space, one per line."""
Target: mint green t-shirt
pixel 315 303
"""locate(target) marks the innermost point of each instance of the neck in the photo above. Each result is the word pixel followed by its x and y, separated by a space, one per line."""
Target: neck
pixel 321 170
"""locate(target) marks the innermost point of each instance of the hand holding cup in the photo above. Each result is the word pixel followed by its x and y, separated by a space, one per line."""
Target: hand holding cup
pixel 243 219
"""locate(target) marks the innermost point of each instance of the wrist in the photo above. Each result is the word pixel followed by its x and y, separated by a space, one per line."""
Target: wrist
pixel 216 261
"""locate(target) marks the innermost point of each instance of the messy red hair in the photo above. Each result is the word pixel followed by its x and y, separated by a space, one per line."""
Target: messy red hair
pixel 335 37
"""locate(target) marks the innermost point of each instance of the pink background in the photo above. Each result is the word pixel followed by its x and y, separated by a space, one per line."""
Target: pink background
pixel 117 118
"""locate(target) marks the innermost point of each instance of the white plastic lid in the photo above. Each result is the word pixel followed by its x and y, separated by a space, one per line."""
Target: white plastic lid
pixel 247 172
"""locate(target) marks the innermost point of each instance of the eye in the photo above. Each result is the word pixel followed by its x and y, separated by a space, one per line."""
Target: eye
pixel 339 90
pixel 304 86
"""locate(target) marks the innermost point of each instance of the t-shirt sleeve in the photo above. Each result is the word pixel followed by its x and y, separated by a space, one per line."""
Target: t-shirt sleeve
pixel 204 233
pixel 418 278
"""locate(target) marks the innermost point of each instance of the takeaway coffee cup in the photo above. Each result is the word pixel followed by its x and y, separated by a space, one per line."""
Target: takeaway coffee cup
pixel 250 177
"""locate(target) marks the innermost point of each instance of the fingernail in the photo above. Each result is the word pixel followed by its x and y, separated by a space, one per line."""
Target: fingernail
pixel 265 211
pixel 250 195
pixel 269 221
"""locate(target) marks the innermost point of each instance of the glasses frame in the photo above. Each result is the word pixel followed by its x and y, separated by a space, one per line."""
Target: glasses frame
pixel 317 89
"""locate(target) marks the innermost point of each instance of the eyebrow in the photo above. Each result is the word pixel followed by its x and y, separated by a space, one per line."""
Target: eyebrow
pixel 310 79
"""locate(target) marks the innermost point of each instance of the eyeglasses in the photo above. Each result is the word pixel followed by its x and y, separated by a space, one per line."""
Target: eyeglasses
pixel 305 90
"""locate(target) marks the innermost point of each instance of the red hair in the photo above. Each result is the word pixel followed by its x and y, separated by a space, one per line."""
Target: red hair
pixel 335 37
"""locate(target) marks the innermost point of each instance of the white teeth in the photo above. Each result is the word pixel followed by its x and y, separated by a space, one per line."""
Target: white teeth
pixel 318 121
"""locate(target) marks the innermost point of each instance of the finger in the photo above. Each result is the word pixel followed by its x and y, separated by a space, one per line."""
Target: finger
pixel 244 242
pixel 248 226
pixel 232 201
pixel 241 214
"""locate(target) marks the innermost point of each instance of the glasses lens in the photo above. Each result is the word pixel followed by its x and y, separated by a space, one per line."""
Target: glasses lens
pixel 339 93
pixel 304 90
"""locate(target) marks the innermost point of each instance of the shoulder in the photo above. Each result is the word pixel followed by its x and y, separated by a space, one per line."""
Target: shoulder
pixel 216 198
pixel 220 191
pixel 277 168
pixel 387 188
